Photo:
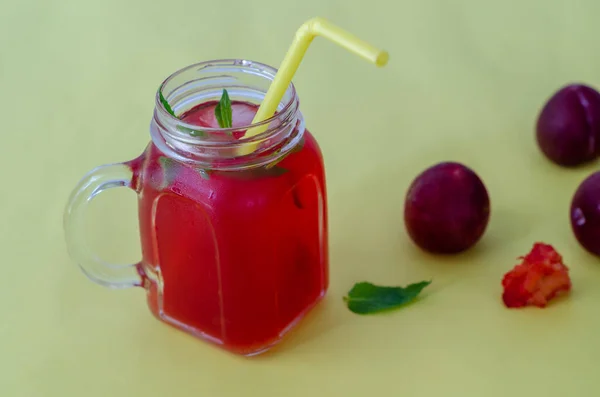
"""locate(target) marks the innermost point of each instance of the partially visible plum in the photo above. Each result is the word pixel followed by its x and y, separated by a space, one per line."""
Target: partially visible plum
pixel 447 208
pixel 568 126
pixel 585 213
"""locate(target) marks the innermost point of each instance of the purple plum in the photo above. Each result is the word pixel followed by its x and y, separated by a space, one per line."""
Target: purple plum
pixel 585 213
pixel 447 208
pixel 568 126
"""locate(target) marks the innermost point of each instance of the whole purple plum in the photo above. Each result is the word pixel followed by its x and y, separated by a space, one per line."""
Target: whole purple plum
pixel 568 126
pixel 447 208
pixel 585 213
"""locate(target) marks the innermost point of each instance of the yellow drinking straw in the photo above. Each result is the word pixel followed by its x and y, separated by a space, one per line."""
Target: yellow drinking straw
pixel 304 36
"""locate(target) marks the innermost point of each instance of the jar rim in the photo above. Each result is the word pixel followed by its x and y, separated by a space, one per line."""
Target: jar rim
pixel 203 81
pixel 226 62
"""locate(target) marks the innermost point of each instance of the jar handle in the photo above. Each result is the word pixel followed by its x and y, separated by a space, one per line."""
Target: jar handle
pixel 94 182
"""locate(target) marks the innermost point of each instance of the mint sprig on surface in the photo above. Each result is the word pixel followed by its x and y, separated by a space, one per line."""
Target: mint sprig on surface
pixel 223 112
pixel 367 298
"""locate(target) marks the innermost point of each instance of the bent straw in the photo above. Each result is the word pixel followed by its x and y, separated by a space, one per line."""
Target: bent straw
pixel 304 36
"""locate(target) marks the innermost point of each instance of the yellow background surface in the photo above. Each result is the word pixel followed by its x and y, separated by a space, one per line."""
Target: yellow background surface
pixel 465 82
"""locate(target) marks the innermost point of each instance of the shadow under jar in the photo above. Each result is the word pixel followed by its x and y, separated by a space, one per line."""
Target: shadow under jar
pixel 234 247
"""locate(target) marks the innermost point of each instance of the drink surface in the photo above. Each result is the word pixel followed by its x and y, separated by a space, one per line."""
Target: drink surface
pixel 235 257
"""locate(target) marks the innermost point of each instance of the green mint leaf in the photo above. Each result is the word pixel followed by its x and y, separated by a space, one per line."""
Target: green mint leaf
pixel 191 131
pixel 172 113
pixel 204 173
pixel 299 146
pixel 272 171
pixel 254 173
pixel 223 111
pixel 262 172
pixel 366 298
pixel 295 149
pixel 166 104
pixel 169 169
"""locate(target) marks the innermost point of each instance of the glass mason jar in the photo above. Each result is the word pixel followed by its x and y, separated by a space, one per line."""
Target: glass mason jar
pixel 234 247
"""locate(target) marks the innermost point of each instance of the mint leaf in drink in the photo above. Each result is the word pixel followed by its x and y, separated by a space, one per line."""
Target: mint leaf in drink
pixel 367 298
pixel 271 171
pixel 299 146
pixel 168 108
pixel 253 173
pixel 223 112
pixel 295 149
pixel 260 172
pixel 191 131
pixel 165 103
pixel 205 174
pixel 169 170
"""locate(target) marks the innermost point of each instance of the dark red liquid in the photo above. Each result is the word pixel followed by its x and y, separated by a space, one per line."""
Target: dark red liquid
pixel 240 256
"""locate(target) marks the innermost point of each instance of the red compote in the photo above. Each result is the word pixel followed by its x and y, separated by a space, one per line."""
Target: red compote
pixel 233 256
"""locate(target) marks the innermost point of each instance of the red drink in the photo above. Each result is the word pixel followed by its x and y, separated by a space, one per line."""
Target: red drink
pixel 234 241
pixel 241 255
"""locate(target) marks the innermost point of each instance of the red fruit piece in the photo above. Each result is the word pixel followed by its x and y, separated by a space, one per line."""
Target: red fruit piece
pixel 539 277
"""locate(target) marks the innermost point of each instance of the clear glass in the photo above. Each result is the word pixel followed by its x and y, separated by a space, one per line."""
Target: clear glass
pixel 234 247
